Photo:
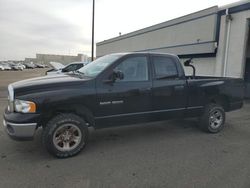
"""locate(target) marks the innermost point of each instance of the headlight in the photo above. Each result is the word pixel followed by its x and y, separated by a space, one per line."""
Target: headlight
pixel 10 98
pixel 24 106
pixel 11 92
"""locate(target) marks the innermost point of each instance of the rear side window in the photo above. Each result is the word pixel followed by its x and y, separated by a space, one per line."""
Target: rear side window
pixel 165 67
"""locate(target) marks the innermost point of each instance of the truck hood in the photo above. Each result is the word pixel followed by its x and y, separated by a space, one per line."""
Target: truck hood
pixel 48 83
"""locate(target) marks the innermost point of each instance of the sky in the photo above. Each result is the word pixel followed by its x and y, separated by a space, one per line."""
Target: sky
pixel 28 27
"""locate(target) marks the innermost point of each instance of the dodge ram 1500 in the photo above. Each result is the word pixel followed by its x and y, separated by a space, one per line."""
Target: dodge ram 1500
pixel 114 90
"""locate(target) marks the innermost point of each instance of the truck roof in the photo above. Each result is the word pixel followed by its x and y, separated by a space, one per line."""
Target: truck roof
pixel 152 53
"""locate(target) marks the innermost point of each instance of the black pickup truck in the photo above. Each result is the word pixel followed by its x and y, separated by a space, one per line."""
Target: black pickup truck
pixel 114 90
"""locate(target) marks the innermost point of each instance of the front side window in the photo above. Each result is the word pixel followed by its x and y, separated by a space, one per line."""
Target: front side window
pixel 164 67
pixel 134 69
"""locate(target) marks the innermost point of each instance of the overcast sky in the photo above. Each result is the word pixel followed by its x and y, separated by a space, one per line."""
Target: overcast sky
pixel 28 27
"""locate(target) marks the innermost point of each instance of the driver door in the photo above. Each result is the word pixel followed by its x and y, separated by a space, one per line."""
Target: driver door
pixel 127 100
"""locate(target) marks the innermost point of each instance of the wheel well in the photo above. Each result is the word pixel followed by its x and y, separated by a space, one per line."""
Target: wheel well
pixel 221 100
pixel 79 110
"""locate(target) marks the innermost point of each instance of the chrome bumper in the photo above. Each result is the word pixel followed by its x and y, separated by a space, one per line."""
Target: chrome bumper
pixel 22 130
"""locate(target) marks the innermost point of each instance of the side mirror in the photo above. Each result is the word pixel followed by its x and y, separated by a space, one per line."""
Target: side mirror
pixel 118 75
pixel 187 63
pixel 114 76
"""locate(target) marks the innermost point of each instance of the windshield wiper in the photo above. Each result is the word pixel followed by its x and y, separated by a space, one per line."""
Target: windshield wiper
pixel 78 72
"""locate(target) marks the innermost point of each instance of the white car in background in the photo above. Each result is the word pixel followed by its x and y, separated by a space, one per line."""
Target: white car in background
pixel 30 65
pixel 59 68
pixel 6 66
pixel 1 67
pixel 22 65
pixel 40 65
pixel 17 66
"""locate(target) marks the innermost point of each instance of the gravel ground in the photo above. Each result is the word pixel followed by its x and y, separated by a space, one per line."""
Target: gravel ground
pixel 164 154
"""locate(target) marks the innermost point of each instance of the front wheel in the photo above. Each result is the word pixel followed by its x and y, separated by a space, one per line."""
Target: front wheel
pixel 213 118
pixel 65 135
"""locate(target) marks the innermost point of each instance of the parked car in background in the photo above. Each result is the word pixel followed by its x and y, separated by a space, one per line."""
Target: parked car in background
pixel 40 65
pixel 30 65
pixel 1 67
pixel 21 64
pixel 17 66
pixel 6 66
pixel 59 68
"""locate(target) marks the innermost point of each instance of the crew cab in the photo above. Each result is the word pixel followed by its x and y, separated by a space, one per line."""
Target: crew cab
pixel 114 90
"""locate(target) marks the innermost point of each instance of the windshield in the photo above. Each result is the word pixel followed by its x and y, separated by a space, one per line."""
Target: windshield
pixel 94 68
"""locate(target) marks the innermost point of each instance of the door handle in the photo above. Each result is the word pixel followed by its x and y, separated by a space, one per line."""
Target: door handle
pixel 139 91
pixel 178 88
pixel 145 89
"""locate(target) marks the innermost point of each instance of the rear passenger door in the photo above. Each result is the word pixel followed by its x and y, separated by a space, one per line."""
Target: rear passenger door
pixel 169 88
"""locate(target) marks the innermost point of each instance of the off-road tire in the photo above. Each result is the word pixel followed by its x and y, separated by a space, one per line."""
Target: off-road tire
pixel 205 119
pixel 54 124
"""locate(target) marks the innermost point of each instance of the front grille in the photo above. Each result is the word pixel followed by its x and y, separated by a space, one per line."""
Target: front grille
pixel 10 106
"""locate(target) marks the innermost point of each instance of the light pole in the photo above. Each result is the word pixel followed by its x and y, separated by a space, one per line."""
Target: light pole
pixel 93 31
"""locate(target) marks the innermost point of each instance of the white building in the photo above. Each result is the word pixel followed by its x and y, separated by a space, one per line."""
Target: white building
pixel 217 38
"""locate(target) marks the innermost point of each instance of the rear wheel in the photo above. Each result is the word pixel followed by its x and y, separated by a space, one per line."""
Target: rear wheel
pixel 65 135
pixel 213 118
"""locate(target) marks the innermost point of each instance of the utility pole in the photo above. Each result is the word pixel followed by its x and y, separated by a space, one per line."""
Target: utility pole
pixel 93 31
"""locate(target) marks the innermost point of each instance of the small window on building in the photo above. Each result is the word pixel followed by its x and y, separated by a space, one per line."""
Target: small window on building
pixel 165 67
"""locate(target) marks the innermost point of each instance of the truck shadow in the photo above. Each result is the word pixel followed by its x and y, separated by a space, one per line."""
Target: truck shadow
pixel 110 138
pixel 155 129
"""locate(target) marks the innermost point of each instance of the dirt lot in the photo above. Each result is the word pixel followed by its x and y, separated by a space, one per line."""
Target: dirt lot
pixel 167 154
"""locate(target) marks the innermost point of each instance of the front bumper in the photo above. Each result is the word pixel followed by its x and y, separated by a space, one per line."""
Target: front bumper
pixel 20 126
pixel 24 131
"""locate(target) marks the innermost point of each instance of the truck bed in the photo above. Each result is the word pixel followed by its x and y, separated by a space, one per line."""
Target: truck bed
pixel 202 88
pixel 190 77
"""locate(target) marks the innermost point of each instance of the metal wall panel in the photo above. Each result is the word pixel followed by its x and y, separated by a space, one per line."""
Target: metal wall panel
pixel 192 34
